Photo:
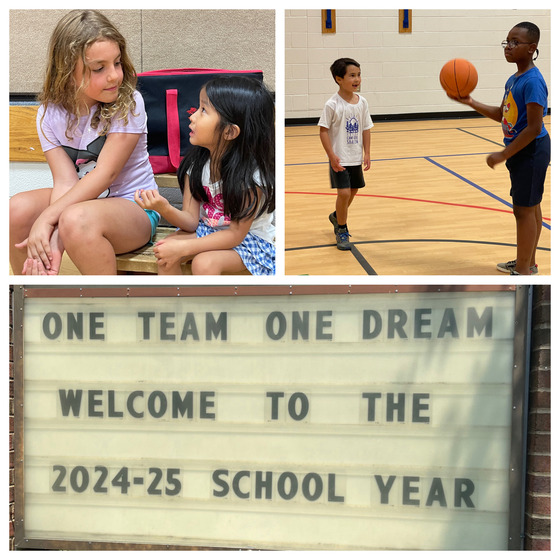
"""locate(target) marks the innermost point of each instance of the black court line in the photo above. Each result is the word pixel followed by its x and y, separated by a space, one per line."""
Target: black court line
pixel 362 260
pixel 370 270
pixel 355 252
pixel 383 241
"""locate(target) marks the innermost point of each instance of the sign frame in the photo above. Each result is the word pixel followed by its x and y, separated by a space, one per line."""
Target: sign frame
pixel 520 384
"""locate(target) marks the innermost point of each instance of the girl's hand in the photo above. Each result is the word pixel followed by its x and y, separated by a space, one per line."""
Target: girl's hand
pixel 151 200
pixel 33 267
pixel 171 251
pixel 39 243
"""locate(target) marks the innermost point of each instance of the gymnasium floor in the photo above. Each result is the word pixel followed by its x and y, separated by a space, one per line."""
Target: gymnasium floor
pixel 431 205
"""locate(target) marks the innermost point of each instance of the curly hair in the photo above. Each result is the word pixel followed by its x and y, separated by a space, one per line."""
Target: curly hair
pixel 71 38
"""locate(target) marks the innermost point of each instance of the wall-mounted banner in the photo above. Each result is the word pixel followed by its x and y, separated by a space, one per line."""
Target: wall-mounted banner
pixel 361 421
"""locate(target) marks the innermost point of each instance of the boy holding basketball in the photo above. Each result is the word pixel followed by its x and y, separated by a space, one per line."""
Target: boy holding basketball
pixel 345 135
pixel 527 143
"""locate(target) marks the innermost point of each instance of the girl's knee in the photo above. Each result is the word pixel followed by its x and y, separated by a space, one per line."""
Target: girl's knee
pixel 74 224
pixel 205 264
pixel 21 212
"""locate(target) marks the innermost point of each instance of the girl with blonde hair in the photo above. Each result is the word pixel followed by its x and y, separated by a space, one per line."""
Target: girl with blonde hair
pixel 92 128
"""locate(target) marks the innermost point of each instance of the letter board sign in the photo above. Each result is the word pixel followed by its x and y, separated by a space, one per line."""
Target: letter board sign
pixel 313 421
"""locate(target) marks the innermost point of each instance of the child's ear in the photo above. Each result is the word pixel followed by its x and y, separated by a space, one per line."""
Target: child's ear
pixel 231 132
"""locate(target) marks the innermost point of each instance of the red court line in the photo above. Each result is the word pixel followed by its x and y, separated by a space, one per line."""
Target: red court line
pixel 415 200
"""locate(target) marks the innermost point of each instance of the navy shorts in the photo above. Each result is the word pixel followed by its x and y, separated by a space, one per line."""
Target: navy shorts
pixel 351 178
pixel 527 171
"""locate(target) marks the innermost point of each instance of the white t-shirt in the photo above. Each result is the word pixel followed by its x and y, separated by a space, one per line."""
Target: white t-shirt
pixel 212 212
pixel 86 144
pixel 346 123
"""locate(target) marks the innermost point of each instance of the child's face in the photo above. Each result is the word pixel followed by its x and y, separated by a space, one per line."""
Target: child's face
pixel 352 79
pixel 102 73
pixel 204 124
pixel 519 46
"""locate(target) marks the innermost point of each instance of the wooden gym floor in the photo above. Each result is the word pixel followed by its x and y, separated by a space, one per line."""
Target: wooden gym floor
pixel 431 205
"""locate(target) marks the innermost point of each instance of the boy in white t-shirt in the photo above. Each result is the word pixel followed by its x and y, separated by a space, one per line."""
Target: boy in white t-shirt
pixel 345 134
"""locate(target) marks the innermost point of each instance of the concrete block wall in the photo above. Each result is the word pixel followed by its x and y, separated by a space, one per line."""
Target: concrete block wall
pixel 400 71
pixel 232 39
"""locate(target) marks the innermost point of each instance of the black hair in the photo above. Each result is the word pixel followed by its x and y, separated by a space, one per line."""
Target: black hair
pixel 338 67
pixel 247 103
pixel 533 32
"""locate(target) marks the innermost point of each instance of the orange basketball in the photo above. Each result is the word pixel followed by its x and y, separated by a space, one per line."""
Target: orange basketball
pixel 458 77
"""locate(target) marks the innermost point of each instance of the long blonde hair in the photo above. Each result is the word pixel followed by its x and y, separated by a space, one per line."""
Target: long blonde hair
pixel 71 38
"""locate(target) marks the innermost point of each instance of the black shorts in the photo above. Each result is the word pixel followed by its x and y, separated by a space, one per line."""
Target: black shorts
pixel 351 178
pixel 527 171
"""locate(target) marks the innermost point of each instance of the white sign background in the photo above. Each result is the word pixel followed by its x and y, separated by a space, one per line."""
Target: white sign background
pixel 341 440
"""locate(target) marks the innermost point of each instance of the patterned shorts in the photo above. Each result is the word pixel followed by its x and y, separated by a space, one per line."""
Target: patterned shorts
pixel 258 255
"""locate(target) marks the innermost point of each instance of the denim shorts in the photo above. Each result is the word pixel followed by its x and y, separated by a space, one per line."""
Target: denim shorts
pixel 527 171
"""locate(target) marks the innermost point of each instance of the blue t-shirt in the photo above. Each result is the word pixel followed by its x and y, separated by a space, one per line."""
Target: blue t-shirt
pixel 529 87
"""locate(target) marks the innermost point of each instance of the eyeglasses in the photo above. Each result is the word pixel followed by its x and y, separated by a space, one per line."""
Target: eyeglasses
pixel 513 43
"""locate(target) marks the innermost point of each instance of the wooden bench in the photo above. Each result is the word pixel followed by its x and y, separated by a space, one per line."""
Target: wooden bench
pixel 25 147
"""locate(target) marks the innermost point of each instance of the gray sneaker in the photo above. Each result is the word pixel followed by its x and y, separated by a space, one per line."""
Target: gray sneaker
pixel 342 241
pixel 333 221
pixel 509 266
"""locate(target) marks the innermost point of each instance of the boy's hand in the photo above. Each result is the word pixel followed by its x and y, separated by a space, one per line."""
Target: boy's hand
pixel 465 100
pixel 335 164
pixel 367 163
pixel 495 159
pixel 151 200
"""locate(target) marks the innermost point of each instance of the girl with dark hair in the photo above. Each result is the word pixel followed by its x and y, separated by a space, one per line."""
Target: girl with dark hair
pixel 226 224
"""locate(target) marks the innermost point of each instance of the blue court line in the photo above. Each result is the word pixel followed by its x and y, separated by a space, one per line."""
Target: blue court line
pixel 486 192
pixel 402 130
pixel 392 159
pixel 432 161
pixel 465 180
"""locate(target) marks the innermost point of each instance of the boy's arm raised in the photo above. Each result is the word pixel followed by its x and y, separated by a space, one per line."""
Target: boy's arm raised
pixel 494 113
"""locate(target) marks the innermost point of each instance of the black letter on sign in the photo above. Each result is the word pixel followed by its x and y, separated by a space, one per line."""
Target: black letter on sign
pixel 222 483
pixel 304 407
pixel 464 488
pixel 146 316
pixel 384 488
pixel 55 333
pixel 367 332
pixel 287 494
pixel 281 330
pixel 70 400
